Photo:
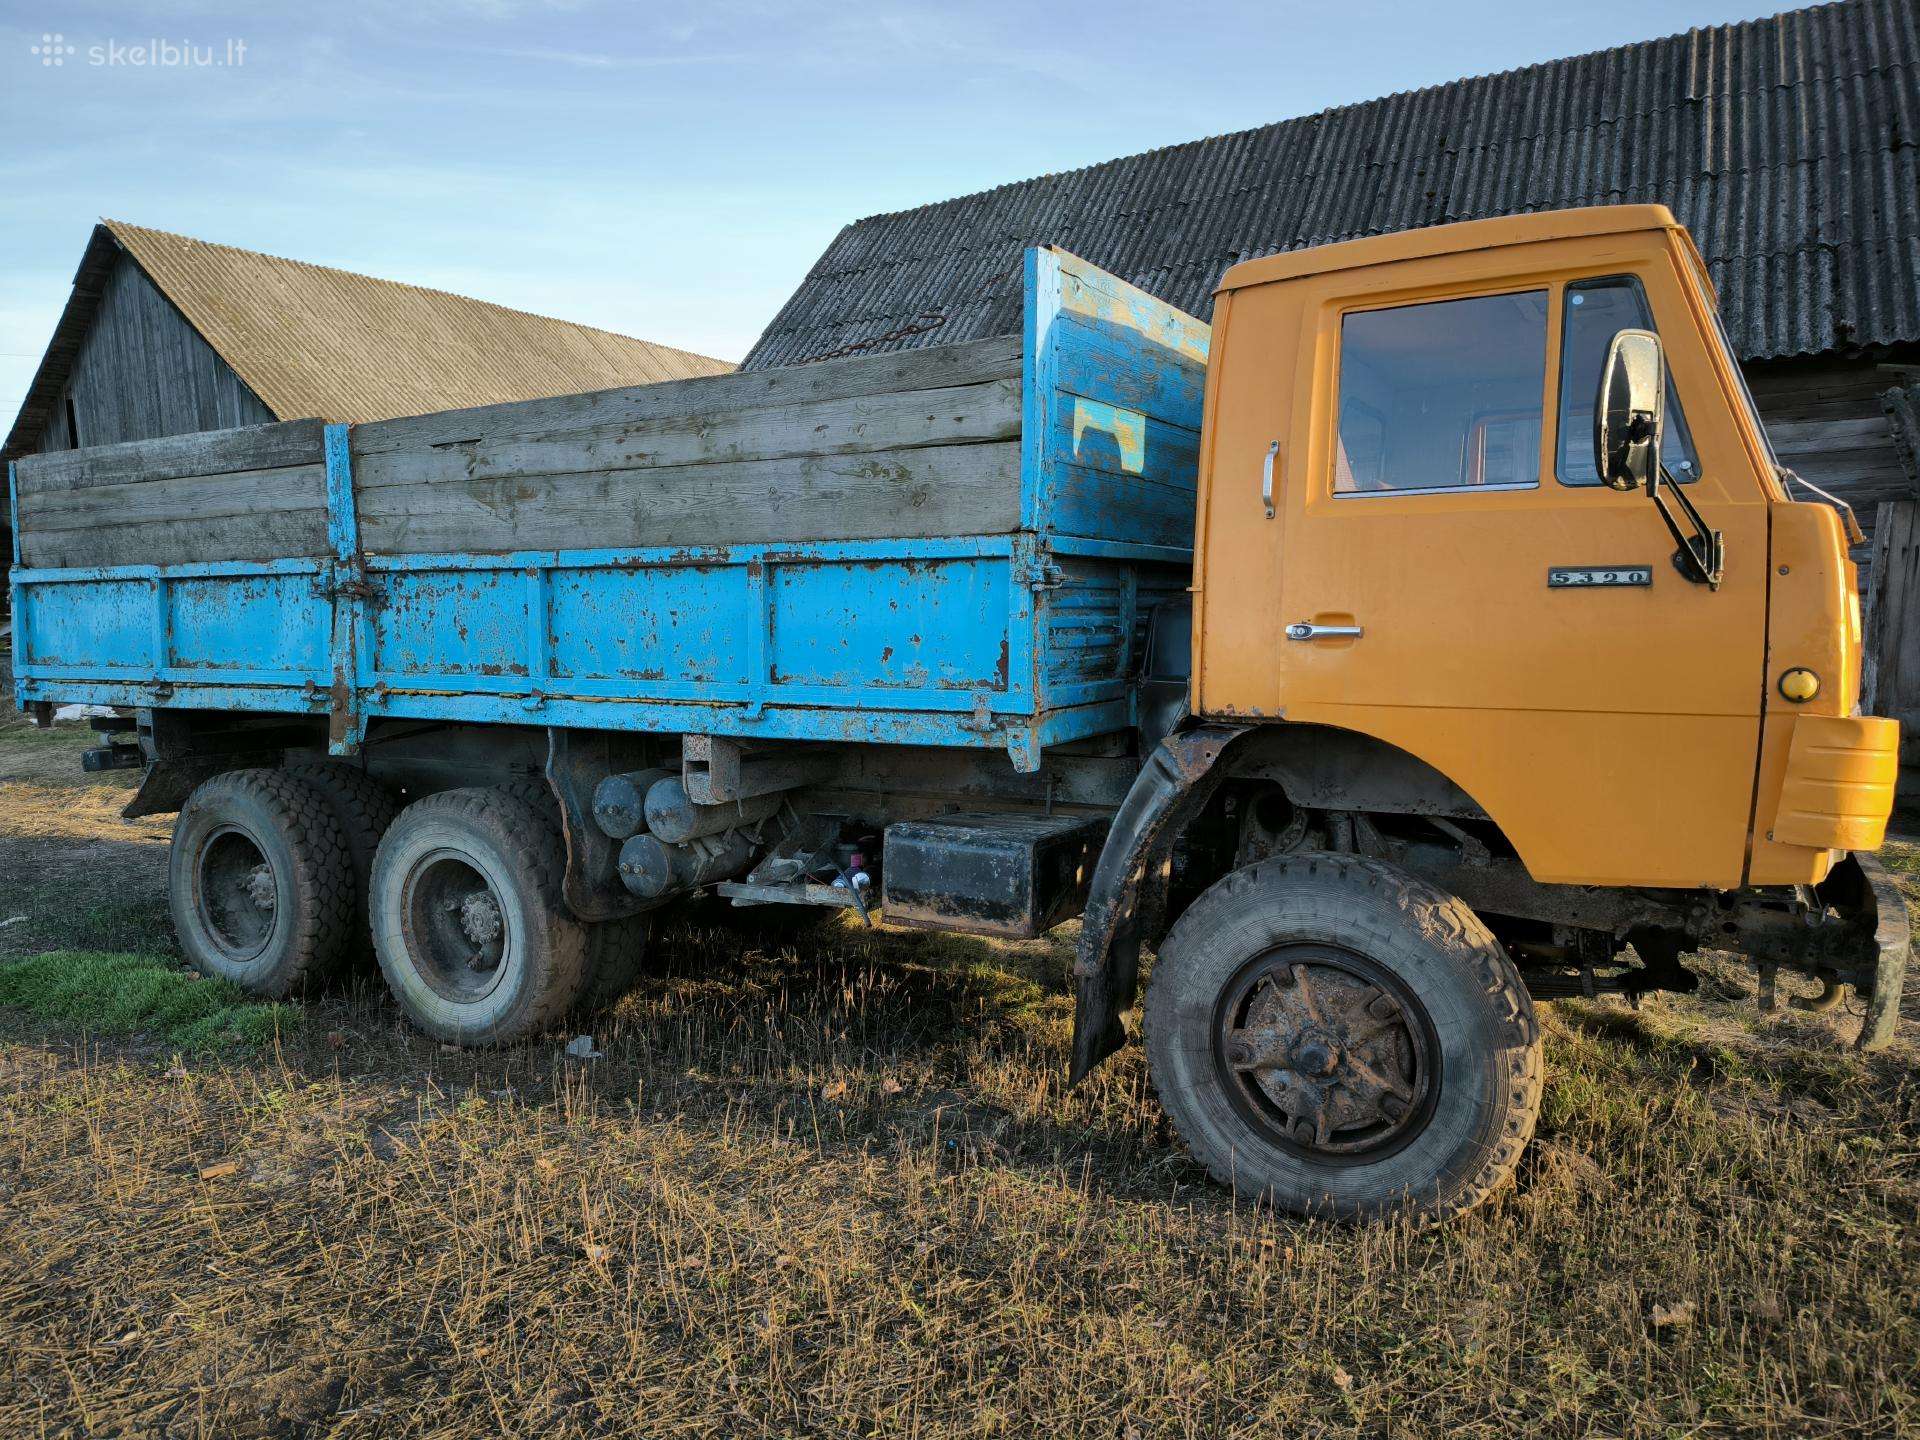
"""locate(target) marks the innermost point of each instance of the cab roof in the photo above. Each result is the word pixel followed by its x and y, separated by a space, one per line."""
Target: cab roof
pixel 1448 240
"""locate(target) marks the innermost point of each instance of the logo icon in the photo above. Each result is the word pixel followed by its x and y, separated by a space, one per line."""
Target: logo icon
pixel 53 49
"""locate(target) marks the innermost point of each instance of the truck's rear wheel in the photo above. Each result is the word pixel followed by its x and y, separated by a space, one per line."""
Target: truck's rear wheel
pixel 363 808
pixel 1335 1037
pixel 616 949
pixel 616 954
pixel 468 921
pixel 260 882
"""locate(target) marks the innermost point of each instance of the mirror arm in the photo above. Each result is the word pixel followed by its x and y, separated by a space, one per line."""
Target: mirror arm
pixel 1702 555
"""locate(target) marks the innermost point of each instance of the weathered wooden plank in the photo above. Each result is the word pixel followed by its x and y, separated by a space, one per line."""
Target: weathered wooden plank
pixel 1902 408
pixel 1867 432
pixel 220 452
pixel 1085 499
pixel 272 535
pixel 929 491
pixel 1891 683
pixel 949 415
pixel 191 497
pixel 931 369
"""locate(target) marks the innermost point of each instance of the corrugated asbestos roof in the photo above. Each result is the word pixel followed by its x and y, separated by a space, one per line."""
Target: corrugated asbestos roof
pixel 1789 146
pixel 313 342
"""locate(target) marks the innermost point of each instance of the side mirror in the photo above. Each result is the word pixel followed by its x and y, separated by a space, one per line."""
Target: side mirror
pixel 1630 410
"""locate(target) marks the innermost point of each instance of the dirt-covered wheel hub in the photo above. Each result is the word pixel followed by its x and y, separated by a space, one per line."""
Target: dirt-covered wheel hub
pixel 234 892
pixel 479 917
pixel 1326 1052
pixel 457 924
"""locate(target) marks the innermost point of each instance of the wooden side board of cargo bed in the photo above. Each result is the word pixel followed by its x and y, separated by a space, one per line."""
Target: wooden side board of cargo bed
pixel 917 444
pixel 254 494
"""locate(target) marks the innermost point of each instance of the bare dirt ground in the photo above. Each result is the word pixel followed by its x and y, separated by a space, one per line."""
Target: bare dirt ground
pixel 840 1190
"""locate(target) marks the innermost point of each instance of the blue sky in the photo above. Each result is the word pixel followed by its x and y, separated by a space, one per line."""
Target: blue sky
pixel 671 169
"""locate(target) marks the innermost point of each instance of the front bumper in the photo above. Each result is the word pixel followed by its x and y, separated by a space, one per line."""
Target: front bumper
pixel 1860 888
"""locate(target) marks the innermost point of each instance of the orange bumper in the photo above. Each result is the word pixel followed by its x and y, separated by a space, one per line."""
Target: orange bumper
pixel 1838 789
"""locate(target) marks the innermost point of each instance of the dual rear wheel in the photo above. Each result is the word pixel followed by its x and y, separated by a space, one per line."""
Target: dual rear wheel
pixel 281 879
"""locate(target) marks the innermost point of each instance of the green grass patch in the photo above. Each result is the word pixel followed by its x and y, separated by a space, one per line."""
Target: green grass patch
pixel 122 994
pixel 1901 856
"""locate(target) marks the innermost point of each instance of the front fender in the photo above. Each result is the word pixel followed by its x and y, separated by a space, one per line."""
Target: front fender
pixel 1178 779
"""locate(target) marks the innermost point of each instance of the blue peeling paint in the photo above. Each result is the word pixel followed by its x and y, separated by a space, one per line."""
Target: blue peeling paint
pixel 1014 641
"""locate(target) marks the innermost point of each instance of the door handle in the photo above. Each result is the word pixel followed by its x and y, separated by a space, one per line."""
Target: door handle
pixel 1266 477
pixel 1307 630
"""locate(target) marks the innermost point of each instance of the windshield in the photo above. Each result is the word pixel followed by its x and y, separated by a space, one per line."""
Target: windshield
pixel 1726 345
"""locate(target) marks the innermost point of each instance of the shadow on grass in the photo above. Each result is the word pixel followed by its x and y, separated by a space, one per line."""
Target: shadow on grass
pixel 1790 1062
pixel 1686 1059
pixel 139 925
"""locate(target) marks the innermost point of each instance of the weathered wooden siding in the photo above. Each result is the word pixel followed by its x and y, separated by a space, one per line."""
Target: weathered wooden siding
pixel 142 371
pixel 1829 426
pixel 1891 683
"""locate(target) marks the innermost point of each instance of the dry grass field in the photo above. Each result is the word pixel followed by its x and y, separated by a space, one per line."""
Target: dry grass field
pixel 838 1189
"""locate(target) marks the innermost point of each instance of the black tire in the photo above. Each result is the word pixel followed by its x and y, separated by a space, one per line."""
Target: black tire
pixel 616 957
pixel 616 949
pixel 363 808
pixel 468 921
pixel 1336 1037
pixel 537 795
pixel 260 882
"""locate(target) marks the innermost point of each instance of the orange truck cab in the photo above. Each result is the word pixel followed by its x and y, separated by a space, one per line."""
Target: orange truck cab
pixel 1499 590
pixel 1524 629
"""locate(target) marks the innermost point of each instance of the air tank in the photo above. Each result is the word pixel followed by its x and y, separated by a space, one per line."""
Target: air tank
pixel 673 816
pixel 619 801
pixel 653 870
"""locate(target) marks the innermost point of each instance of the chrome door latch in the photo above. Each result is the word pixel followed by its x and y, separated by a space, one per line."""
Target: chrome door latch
pixel 1306 630
pixel 1266 477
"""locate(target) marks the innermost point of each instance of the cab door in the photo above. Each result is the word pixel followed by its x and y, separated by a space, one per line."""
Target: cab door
pixel 1454 579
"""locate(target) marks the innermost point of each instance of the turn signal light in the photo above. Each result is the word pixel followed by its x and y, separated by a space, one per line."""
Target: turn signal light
pixel 1799 686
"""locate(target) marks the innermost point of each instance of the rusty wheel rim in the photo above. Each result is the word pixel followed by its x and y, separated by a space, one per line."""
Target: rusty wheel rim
pixel 235 893
pixel 1326 1053
pixel 455 926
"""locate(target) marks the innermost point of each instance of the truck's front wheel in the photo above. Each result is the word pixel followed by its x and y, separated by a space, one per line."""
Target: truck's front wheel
pixel 468 921
pixel 1335 1037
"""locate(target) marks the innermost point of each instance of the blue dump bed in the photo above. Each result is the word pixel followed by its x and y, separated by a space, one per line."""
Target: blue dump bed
pixel 953 546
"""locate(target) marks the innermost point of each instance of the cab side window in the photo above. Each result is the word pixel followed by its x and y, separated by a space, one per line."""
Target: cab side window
pixel 1594 311
pixel 1444 395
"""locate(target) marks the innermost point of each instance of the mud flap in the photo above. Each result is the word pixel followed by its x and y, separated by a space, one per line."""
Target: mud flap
pixel 577 760
pixel 165 786
pixel 1173 787
pixel 1892 938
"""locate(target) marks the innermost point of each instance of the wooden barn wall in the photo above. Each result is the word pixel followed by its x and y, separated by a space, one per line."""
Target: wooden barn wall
pixel 1829 426
pixel 144 372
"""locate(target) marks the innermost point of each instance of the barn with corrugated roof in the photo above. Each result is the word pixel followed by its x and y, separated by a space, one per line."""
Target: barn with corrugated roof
pixel 1789 146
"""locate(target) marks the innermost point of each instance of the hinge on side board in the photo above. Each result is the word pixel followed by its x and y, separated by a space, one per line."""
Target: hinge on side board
pixel 342 583
pixel 1042 574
